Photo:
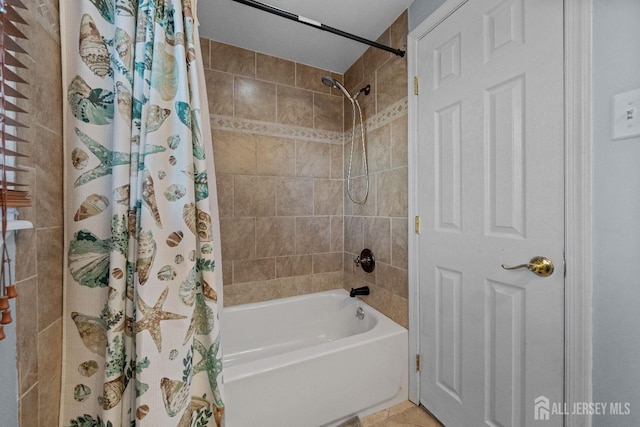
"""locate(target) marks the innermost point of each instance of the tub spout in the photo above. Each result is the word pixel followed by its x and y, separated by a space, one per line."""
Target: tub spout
pixel 359 291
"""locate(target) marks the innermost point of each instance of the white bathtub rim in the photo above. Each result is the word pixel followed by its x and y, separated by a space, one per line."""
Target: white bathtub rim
pixel 336 293
pixel 384 327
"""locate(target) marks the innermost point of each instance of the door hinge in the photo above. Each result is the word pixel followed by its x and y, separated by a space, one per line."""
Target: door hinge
pixel 415 85
pixel 417 224
pixel 417 362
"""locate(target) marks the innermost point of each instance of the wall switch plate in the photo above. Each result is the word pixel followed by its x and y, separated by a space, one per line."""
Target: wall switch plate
pixel 626 115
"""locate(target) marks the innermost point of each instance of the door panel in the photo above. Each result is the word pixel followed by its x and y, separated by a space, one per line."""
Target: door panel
pixel 505 349
pixel 449 334
pixel 505 162
pixel 448 183
pixel 491 192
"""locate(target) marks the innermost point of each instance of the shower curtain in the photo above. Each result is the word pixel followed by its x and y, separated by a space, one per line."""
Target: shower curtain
pixel 142 288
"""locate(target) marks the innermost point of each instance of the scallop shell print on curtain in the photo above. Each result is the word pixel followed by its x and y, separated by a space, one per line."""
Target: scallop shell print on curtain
pixel 142 291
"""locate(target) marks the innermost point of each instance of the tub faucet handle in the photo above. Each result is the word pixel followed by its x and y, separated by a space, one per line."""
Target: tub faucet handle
pixel 366 260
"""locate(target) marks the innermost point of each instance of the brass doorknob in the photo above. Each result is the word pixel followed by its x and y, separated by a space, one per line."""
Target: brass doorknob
pixel 538 265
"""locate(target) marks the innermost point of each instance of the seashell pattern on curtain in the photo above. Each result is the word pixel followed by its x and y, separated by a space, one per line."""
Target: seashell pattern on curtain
pixel 142 287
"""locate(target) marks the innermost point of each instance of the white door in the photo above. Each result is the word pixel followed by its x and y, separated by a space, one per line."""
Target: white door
pixel 491 192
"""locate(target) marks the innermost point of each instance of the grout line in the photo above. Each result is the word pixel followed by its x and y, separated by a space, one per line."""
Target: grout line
pixel 24 279
pixel 51 227
pixel 255 238
pixel 255 65
pixel 30 388
pixel 233 98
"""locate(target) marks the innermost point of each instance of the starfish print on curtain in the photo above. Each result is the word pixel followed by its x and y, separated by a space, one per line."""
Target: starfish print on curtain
pixel 152 316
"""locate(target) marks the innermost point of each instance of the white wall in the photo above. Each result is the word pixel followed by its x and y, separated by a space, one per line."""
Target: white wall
pixel 8 365
pixel 616 213
pixel 420 9
pixel 8 375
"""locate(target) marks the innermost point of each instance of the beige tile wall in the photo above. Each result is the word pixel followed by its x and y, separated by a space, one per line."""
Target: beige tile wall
pixel 381 223
pixel 287 226
pixel 280 195
pixel 39 255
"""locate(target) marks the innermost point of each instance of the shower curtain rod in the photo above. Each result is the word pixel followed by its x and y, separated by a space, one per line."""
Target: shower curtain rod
pixel 318 25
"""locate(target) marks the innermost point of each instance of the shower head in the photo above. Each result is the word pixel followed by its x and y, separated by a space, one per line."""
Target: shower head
pixel 328 81
pixel 331 82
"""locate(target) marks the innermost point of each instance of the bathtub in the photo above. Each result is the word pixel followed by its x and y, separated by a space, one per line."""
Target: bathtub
pixel 310 361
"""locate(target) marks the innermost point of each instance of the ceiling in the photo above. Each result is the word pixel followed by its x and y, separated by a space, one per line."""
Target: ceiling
pixel 239 25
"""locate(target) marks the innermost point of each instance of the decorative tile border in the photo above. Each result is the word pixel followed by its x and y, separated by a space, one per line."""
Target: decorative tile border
pixel 227 123
pixel 274 129
pixel 389 114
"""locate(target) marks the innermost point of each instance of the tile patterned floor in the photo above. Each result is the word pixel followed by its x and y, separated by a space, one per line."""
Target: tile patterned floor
pixel 405 414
